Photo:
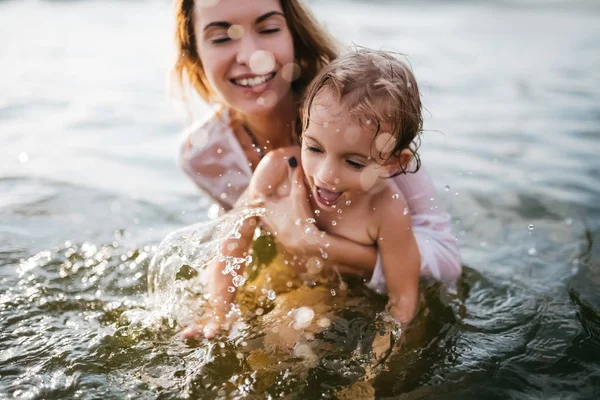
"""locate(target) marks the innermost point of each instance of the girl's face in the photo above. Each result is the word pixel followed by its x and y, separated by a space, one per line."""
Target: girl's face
pixel 247 52
pixel 336 154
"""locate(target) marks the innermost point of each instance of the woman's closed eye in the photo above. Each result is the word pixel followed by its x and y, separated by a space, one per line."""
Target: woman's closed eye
pixel 219 40
pixel 270 30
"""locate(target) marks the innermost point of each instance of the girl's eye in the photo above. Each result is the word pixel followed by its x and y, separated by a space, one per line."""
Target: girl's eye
pixel 313 149
pixel 354 164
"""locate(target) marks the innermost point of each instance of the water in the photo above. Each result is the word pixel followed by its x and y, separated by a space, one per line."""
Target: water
pixel 89 186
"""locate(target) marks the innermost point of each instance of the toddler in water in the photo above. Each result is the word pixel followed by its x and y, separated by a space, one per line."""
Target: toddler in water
pixel 361 116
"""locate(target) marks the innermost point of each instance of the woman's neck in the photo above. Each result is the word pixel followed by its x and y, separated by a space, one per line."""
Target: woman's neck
pixel 275 127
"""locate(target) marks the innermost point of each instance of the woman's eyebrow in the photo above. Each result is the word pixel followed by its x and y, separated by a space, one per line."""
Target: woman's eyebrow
pixel 219 24
pixel 224 24
pixel 267 16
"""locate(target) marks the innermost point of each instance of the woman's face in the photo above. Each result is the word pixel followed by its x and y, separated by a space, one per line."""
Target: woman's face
pixel 247 52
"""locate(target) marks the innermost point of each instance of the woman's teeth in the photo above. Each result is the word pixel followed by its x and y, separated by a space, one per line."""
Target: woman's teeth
pixel 251 82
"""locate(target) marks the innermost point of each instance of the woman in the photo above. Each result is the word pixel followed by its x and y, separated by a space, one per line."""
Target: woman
pixel 253 63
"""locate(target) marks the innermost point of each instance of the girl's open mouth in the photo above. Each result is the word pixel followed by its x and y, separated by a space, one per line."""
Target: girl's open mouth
pixel 327 197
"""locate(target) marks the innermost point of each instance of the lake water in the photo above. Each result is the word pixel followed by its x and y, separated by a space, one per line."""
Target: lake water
pixel 89 186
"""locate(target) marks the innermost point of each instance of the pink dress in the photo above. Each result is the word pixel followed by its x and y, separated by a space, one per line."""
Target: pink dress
pixel 211 146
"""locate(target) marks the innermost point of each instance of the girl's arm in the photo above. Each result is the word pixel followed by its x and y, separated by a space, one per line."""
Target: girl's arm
pixel 221 297
pixel 269 175
pixel 401 260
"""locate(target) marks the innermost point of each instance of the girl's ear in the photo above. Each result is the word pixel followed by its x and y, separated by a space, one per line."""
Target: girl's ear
pixel 399 161
pixel 405 158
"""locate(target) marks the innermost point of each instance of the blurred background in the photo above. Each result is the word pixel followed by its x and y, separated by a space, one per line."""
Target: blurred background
pixel 88 177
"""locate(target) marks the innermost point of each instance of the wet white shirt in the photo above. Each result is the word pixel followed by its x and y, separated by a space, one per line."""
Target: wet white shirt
pixel 210 146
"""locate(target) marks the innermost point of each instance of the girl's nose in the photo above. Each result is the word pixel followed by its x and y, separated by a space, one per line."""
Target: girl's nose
pixel 328 174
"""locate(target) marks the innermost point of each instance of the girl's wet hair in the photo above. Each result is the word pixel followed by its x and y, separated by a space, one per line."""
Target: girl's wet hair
pixel 313 46
pixel 379 91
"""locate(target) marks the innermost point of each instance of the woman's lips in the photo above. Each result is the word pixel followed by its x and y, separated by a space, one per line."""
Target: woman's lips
pixel 327 197
pixel 256 84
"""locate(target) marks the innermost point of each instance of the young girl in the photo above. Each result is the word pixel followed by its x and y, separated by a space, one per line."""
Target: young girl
pixel 362 114
pixel 253 64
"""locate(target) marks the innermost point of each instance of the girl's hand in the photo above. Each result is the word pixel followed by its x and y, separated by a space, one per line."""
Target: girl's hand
pixel 211 324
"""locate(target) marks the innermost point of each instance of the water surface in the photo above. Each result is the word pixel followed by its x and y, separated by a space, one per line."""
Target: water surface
pixel 88 185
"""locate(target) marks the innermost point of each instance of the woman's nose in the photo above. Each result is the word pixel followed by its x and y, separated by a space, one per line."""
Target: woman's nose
pixel 246 48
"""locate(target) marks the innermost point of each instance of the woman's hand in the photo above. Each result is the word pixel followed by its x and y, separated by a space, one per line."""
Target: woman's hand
pixel 291 219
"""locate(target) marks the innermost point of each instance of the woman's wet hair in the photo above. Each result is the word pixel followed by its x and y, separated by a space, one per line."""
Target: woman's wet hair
pixel 313 47
pixel 380 92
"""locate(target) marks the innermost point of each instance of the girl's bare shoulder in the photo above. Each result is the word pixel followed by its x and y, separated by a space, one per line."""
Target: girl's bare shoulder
pixel 390 205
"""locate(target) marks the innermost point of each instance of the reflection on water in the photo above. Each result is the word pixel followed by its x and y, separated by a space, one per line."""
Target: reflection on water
pixel 89 188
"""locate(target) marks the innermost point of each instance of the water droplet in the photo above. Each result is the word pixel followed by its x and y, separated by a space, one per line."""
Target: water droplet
pixel 530 227
pixel 262 62
pixel 325 124
pixel 447 188
pixel 298 222
pixel 291 71
pixel 231 289
pixel 324 322
pixel 332 291
pixel 405 212
pixel 23 157
pixel 532 251
pixel 238 280
pixel 333 223
pixel 339 211
pixel 303 316
pixel 259 311
pixel 348 202
pixel 395 196
pixel 314 265
pixel 239 356
pixel 271 295
pixel 385 142
pixel 569 221
pixel 317 212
